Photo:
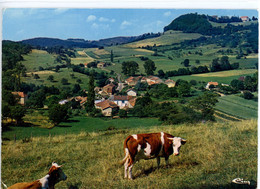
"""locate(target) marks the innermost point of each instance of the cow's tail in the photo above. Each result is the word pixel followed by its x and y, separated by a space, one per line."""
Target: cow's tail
pixel 127 154
pixel 4 186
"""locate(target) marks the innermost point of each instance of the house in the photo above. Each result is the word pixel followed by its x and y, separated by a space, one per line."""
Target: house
pixel 82 100
pixel 170 83
pixel 106 107
pixel 62 102
pixel 215 84
pixel 85 65
pixel 123 102
pixel 244 18
pixel 101 65
pixel 215 17
pixel 152 80
pixel 131 102
pixel 109 89
pixel 21 97
pixel 131 92
pixel 132 81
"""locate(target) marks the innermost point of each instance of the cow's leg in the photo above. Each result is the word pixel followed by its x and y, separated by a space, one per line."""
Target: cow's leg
pixel 158 161
pixel 126 167
pixel 167 161
pixel 130 172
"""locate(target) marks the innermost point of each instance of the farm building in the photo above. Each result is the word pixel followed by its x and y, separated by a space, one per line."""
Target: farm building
pixel 244 18
pixel 101 65
pixel 131 92
pixel 170 83
pixel 106 107
pixel 132 81
pixel 109 89
pixel 123 102
pixel 215 84
pixel 151 80
pixel 21 97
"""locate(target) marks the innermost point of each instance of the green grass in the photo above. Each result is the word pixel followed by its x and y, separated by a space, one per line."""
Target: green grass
pixel 221 77
pixel 38 58
pixel 62 73
pixel 237 106
pixel 215 154
pixel 80 124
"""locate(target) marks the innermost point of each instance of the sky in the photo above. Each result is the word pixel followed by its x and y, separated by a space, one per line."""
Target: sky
pixel 93 24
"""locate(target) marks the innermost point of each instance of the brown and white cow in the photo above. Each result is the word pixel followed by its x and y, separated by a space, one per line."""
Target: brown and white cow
pixel 54 176
pixel 149 146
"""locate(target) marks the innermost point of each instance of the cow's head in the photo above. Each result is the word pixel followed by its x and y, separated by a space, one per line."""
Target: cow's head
pixel 176 144
pixel 57 173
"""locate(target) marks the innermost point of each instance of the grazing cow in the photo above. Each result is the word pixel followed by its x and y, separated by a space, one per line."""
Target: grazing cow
pixel 149 146
pixel 54 176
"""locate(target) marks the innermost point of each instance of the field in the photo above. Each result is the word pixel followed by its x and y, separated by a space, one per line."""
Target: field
pixel 215 154
pixel 65 73
pixel 220 77
pixel 74 126
pixel 238 107
pixel 36 59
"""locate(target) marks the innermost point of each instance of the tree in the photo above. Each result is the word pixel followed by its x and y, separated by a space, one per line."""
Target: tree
pixel 205 104
pixel 17 113
pixel 36 76
pixel 122 113
pixel 64 81
pixel 50 78
pixel 183 88
pixel 149 67
pixel 247 95
pixel 76 88
pixel 186 63
pixel 90 104
pixel 161 74
pixel 130 68
pixel 58 113
pixel 36 99
pixel 111 56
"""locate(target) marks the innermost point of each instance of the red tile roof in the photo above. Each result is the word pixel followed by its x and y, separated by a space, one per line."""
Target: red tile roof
pixel 106 104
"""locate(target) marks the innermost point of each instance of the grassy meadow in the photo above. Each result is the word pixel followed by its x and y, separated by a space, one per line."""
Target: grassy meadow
pixel 215 154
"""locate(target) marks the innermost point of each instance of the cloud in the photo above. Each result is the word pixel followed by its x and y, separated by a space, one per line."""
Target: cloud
pixel 60 10
pixel 167 14
pixel 124 24
pixel 103 19
pixel 91 18
pixel 94 26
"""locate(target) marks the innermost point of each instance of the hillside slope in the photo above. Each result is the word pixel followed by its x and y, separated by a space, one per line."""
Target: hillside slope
pixel 216 152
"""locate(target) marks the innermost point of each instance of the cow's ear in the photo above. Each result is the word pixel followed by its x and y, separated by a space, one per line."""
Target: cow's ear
pixel 183 141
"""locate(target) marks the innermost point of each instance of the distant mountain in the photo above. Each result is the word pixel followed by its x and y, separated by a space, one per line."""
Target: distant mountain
pixel 52 42
pixel 82 43
pixel 190 23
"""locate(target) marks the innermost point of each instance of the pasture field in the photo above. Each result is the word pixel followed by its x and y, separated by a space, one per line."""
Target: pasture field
pixel 62 73
pixel 74 126
pixel 167 38
pixel 37 58
pixel 237 106
pixel 221 77
pixel 215 154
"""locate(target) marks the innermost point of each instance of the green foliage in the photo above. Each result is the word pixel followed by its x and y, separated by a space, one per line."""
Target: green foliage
pixel 90 104
pixel 130 68
pixel 205 104
pixel 247 95
pixel 36 99
pixel 190 23
pixel 58 113
pixel 17 113
pixel 122 113
pixel 149 67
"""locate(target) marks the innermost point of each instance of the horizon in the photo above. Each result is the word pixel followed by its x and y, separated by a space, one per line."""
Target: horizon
pixel 94 24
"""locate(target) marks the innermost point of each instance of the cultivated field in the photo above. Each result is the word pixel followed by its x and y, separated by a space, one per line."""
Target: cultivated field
pixel 214 154
pixel 238 107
